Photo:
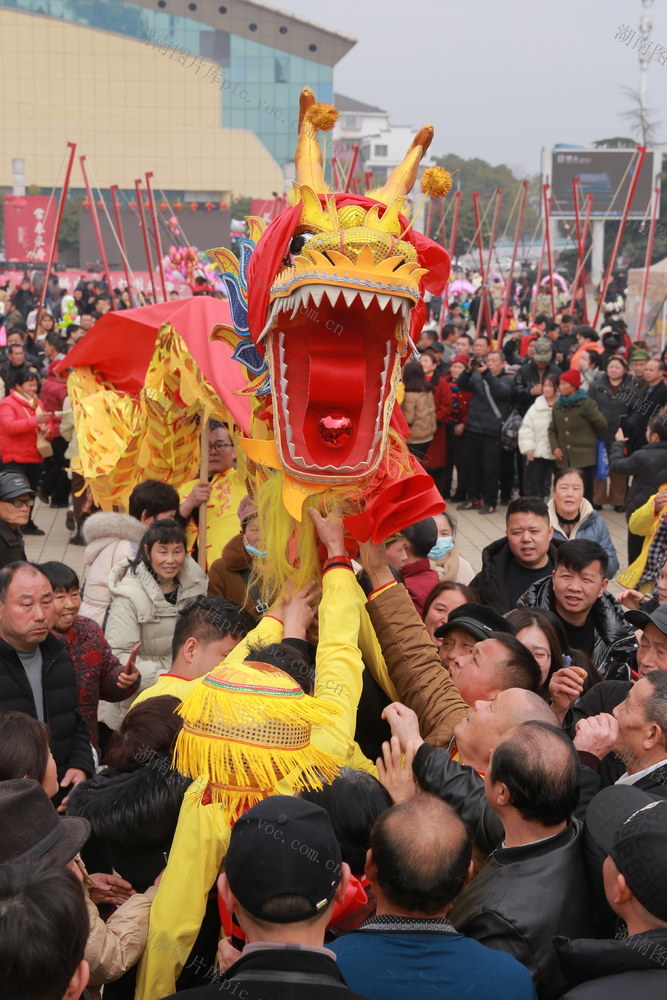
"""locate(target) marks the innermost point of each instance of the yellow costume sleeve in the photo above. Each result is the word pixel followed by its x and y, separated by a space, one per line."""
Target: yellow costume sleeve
pixel 643 519
pixel 339 667
pixel 195 859
pixel 266 631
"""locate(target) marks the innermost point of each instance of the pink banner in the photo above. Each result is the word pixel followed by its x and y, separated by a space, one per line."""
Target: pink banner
pixel 29 224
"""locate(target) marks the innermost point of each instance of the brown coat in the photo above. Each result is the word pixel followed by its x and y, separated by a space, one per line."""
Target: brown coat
pixel 228 575
pixel 419 411
pixel 414 665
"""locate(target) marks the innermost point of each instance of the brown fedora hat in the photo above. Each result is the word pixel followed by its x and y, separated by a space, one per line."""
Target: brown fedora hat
pixel 32 829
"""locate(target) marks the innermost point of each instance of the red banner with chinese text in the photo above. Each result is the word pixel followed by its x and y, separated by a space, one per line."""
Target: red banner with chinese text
pixel 29 226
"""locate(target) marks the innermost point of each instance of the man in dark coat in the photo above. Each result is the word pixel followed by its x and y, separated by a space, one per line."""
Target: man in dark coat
pixel 593 620
pixel 630 827
pixel 284 910
pixel 648 468
pixel 530 377
pixel 16 501
pixel 490 406
pixel 534 882
pixel 526 554
pixel 36 673
pixel 646 404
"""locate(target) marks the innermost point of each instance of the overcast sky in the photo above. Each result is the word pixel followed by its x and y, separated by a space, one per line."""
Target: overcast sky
pixel 497 80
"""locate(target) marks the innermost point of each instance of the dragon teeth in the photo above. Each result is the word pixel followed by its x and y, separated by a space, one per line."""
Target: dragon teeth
pixel 316 294
pixel 349 294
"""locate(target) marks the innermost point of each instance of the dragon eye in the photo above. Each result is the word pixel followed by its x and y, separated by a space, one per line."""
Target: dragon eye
pixel 298 242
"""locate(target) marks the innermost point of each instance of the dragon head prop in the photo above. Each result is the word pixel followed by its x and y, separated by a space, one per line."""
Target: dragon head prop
pixel 327 302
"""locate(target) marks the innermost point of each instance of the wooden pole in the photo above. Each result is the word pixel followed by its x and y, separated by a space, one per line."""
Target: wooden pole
pixel 203 478
pixel 98 231
pixel 56 230
pixel 619 235
pixel 121 238
pixel 156 233
pixel 144 233
pixel 655 208
pixel 455 224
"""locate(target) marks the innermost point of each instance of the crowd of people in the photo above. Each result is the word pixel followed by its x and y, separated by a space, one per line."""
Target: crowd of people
pixel 405 779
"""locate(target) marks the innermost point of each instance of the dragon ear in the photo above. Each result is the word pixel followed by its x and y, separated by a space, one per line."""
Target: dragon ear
pixel 308 156
pixel 400 180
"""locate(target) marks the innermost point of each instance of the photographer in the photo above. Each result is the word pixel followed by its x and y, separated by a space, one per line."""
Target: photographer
pixel 489 408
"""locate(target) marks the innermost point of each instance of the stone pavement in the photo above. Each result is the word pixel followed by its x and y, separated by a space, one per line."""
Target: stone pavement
pixel 474 532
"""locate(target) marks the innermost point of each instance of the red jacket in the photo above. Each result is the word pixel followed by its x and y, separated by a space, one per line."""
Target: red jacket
pixel 419 580
pixel 18 430
pixel 52 394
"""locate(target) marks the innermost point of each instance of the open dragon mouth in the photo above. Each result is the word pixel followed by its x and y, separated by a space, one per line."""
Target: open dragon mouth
pixel 335 335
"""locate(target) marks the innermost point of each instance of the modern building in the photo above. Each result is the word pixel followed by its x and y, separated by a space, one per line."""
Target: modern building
pixel 203 94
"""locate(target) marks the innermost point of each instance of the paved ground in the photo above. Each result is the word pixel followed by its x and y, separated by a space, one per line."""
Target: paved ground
pixel 474 532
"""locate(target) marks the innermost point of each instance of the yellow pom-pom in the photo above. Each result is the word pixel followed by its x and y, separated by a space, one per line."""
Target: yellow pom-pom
pixel 437 182
pixel 322 117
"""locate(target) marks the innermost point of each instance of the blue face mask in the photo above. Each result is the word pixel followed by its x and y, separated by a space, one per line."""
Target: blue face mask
pixel 253 551
pixel 441 548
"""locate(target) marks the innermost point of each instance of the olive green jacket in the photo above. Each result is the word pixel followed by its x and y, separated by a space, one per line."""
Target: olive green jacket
pixel 575 429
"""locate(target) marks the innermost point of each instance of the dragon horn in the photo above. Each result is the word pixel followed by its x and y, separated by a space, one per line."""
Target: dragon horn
pixel 400 180
pixel 308 157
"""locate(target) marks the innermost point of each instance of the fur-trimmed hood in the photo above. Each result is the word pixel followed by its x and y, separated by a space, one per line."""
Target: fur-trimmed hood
pixel 112 525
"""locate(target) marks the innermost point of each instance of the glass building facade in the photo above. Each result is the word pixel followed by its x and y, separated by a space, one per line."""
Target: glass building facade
pixel 259 84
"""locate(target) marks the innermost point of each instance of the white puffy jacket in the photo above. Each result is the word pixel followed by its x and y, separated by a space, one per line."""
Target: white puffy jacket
pixel 534 430
pixel 140 613
pixel 110 539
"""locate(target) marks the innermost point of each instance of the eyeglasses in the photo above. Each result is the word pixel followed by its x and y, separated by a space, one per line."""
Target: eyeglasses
pixel 218 445
pixel 19 502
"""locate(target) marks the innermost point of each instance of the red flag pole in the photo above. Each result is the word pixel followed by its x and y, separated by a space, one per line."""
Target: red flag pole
pixel 577 223
pixel 98 231
pixel 492 240
pixel 547 232
pixel 334 166
pixel 368 176
pixel 539 277
pixel 480 244
pixel 455 225
pixel 121 238
pixel 655 208
pixel 579 273
pixel 156 233
pixel 515 250
pixel 619 235
pixel 56 229
pixel 353 167
pixel 144 233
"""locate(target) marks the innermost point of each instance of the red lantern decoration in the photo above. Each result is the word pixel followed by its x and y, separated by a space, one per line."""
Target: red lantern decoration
pixel 132 205
pixel 194 206
pixel 164 207
pixel 100 205
pixel 85 204
pixel 223 206
pixel 209 205
pixel 178 206
pixel 147 205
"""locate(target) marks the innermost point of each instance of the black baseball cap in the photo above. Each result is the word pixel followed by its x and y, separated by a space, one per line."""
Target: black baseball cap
pixel 478 619
pixel 640 619
pixel 13 484
pixel 281 846
pixel 631 827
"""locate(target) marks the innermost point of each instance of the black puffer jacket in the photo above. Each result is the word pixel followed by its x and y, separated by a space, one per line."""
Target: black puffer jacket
pixel 135 813
pixel 614 645
pixel 481 418
pixel 70 743
pixel 612 405
pixel 11 545
pixel 491 581
pixel 530 375
pixel 647 466
pixel 615 970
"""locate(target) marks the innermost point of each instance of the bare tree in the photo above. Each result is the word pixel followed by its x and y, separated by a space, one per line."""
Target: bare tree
pixel 641 120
